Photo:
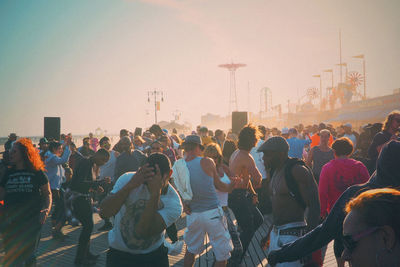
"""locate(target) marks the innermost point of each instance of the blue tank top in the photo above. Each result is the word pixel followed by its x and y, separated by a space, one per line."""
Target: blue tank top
pixel 204 194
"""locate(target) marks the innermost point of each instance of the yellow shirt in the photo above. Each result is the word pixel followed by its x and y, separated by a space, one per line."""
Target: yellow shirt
pixel 206 140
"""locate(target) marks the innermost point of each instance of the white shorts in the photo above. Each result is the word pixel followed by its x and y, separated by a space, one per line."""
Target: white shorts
pixel 277 240
pixel 213 223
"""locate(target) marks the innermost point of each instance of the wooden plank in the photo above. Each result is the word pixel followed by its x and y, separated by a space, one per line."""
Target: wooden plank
pixel 261 254
pixel 62 254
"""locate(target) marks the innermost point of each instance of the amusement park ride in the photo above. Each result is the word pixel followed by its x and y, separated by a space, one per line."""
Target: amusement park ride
pixel 334 96
pixel 339 95
pixel 343 93
pixel 232 67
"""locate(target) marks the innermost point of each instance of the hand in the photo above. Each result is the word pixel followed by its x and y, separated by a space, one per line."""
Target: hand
pixel 43 216
pixel 142 175
pixel 238 182
pixel 107 180
pixel 235 181
pixel 154 184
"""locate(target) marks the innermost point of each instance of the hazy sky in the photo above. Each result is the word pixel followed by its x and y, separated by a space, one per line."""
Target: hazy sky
pixel 92 62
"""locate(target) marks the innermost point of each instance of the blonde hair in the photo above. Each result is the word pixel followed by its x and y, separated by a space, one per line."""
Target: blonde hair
pixel 214 150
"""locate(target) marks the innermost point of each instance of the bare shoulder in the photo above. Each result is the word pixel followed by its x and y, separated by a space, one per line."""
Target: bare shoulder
pixel 301 173
pixel 245 157
pixel 207 163
pixel 206 160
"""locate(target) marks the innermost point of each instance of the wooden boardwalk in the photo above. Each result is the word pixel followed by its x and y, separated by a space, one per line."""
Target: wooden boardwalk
pixel 255 255
pixel 61 253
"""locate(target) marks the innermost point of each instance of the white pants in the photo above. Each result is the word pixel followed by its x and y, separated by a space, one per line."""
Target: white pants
pixel 213 223
pixel 277 240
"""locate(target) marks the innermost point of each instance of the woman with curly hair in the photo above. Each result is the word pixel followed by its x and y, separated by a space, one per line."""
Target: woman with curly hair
pixel 26 193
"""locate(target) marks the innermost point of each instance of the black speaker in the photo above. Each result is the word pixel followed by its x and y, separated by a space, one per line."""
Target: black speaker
pixel 52 128
pixel 239 119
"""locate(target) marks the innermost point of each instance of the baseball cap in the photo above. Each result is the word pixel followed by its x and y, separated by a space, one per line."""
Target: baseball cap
pixel 285 130
pixel 43 140
pixel 347 125
pixel 275 143
pixel 194 139
pixel 203 129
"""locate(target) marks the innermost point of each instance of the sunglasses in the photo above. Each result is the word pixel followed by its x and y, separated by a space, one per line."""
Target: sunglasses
pixel 350 241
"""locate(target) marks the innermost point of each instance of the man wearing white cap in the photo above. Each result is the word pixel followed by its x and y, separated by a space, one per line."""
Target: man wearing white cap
pixel 285 132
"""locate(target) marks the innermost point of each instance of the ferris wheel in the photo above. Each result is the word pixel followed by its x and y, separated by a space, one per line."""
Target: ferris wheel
pixel 312 93
pixel 355 79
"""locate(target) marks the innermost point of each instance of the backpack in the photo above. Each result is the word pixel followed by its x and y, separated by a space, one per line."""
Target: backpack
pixel 291 183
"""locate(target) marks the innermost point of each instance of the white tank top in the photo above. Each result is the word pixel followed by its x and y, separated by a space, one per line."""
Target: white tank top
pixel 108 169
pixel 223 196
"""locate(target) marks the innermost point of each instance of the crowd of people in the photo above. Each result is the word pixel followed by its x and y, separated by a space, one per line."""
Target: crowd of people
pixel 311 185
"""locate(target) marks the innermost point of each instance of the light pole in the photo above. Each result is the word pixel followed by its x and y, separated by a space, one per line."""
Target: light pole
pixel 320 89
pixel 155 93
pixel 343 65
pixel 331 71
pixel 365 78
pixel 177 115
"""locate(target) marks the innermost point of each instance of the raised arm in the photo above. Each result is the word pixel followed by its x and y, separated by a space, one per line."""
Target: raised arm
pixel 153 221
pixel 63 159
pixel 114 201
pixel 210 169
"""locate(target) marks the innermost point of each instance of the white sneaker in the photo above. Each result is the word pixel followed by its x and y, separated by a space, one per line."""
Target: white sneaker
pixel 175 248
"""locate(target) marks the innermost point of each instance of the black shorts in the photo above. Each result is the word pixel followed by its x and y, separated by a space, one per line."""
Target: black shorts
pixel 118 258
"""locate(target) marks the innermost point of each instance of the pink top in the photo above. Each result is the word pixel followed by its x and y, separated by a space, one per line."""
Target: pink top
pixel 336 176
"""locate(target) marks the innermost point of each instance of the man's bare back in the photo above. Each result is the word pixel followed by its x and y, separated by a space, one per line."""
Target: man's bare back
pixel 242 165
